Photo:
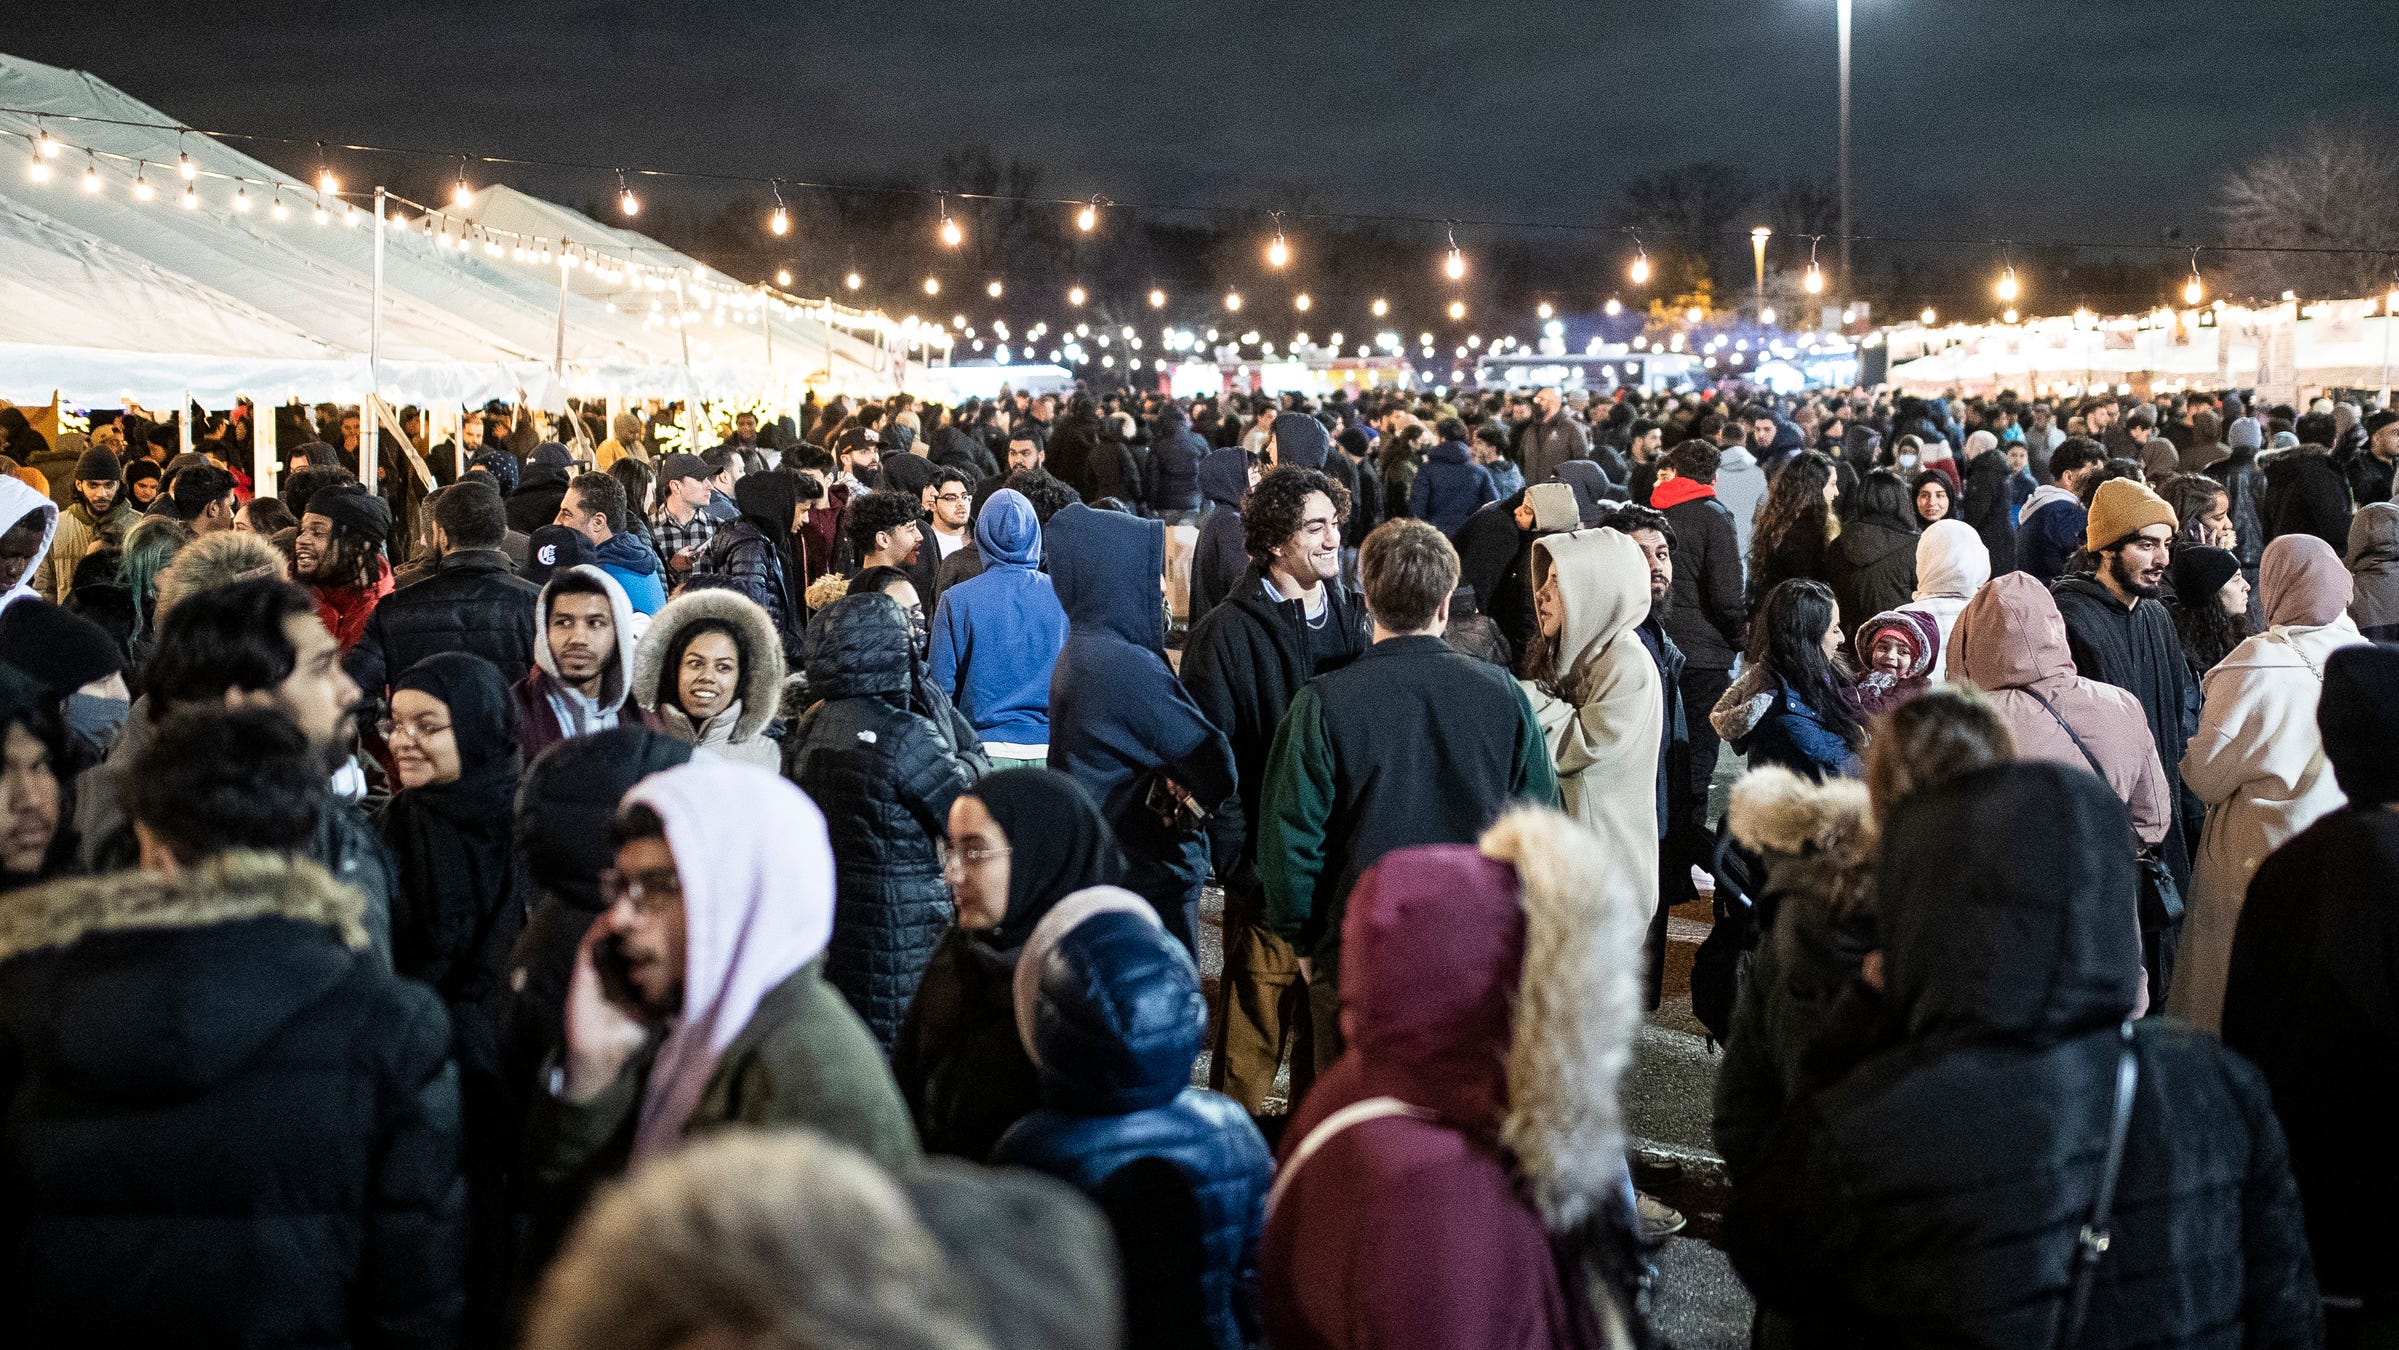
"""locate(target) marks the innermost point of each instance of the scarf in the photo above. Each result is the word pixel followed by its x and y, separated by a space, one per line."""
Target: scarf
pixel 1058 844
pixel 461 884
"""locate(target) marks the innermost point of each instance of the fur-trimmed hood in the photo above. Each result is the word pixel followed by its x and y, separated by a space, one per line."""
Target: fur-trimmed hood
pixel 143 987
pixel 1499 987
pixel 1818 839
pixel 761 692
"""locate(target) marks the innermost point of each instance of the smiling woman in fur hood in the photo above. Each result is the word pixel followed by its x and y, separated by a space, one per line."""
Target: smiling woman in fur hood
pixel 710 668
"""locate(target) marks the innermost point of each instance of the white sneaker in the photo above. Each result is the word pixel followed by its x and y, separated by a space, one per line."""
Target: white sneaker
pixel 1659 1220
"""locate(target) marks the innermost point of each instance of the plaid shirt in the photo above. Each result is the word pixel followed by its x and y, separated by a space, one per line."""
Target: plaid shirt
pixel 673 537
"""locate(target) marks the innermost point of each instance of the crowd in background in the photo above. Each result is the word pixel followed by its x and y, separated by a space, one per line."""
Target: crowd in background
pixel 614 896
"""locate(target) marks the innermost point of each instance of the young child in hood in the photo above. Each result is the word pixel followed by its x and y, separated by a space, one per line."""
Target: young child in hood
pixel 1895 657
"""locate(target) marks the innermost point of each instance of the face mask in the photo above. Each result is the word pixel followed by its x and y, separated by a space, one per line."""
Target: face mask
pixel 93 722
pixel 1907 461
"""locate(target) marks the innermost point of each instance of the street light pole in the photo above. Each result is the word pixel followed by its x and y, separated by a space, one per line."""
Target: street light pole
pixel 1757 246
pixel 1842 17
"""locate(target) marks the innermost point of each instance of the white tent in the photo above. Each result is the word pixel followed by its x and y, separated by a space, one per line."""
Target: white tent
pixel 254 251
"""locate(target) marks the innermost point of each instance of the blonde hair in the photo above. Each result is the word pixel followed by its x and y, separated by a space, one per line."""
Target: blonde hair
pixel 214 560
pixel 777 1240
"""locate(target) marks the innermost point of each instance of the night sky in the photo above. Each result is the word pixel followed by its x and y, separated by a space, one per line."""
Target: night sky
pixel 2025 118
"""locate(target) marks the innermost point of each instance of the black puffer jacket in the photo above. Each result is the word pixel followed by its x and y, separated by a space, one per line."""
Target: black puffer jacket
pixel 1931 1195
pixel 226 1121
pixel 471 601
pixel 538 493
pixel 884 774
pixel 1988 497
pixel 1871 568
pixel 2305 494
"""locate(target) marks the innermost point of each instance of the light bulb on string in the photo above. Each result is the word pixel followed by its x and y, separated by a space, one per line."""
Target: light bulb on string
pixel 1813 282
pixel 1301 302
pixel 191 197
pixel 1232 301
pixel 950 233
pixel 1544 309
pixel 91 172
pixel 995 290
pixel 1088 218
pixel 853 281
pixel 1455 264
pixel 1380 307
pixel 780 222
pixel 461 196
pixel 1457 310
pixel 2007 289
pixel 1639 271
pixel 1613 308
pixel 1074 295
pixel 241 200
pixel 2192 290
pixel 1157 299
pixel 323 216
pixel 1278 253
pixel 184 165
pixel 276 210
pixel 45 145
pixel 625 200
pixel 932 285
pixel 37 169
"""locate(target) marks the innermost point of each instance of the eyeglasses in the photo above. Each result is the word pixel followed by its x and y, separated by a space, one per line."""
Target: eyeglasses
pixel 651 893
pixel 952 497
pixel 420 732
pixel 954 862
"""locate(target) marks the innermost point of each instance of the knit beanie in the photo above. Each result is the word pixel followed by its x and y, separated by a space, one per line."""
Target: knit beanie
pixel 2380 420
pixel 2358 718
pixel 62 652
pixel 352 506
pixel 2122 507
pixel 2199 572
pixel 97 466
pixel 2245 433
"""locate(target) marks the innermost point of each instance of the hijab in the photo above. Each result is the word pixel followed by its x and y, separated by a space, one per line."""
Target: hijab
pixel 2302 582
pixel 460 880
pixel 1058 844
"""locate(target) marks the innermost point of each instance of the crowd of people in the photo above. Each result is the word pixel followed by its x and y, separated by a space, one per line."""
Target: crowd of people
pixel 624 897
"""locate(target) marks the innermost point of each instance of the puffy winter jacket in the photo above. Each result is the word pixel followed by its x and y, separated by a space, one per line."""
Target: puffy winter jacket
pixel 2305 494
pixel 1871 568
pixel 1171 482
pixel 223 1121
pixel 1767 721
pixel 1932 1193
pixel 884 775
pixel 1449 488
pixel 1113 1018
pixel 471 601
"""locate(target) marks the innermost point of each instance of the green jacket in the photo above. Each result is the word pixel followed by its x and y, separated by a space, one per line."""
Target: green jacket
pixel 804 1059
pixel 1410 744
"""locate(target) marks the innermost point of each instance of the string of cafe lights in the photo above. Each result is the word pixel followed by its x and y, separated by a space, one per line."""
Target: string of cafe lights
pixel 46 151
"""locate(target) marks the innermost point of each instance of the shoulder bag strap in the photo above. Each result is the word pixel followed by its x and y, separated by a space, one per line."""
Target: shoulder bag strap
pixel 2092 1242
pixel 2068 728
pixel 1356 1113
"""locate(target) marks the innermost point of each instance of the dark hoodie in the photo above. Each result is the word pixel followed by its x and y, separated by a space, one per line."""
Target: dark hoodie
pixel 540 487
pixel 1450 487
pixel 1931 1194
pixel 1171 482
pixel 229 1122
pixel 1120 720
pixel 1220 557
pixel 1300 439
pixel 755 554
pixel 2305 494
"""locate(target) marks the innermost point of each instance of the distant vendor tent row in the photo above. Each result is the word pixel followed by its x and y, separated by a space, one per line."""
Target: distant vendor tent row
pixel 2288 351
pixel 257 285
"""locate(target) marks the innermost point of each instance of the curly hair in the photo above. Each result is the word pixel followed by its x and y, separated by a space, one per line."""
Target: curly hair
pixel 1794 503
pixel 1271 513
pixel 1048 493
pixel 877 513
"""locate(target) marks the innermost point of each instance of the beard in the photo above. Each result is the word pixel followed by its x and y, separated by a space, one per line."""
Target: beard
pixel 2129 581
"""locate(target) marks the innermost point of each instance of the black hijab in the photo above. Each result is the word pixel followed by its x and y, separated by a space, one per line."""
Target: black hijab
pixel 1058 844
pixel 460 882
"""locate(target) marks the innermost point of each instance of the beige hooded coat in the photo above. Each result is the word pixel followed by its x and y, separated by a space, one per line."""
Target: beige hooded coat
pixel 1604 733
pixel 2258 759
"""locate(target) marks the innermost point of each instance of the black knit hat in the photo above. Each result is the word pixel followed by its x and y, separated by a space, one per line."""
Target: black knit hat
pixel 2358 718
pixel 62 652
pixel 354 508
pixel 98 465
pixel 2198 572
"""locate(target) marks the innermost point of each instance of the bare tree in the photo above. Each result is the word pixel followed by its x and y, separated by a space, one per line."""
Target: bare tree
pixel 1694 222
pixel 2330 187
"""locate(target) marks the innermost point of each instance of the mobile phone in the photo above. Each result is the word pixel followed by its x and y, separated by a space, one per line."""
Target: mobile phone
pixel 616 980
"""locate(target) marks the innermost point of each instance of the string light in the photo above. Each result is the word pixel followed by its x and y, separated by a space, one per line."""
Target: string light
pixel 2192 290
pixel 1813 282
pixel 276 210
pixel 1614 307
pixel 853 281
pixel 461 196
pixel 995 290
pixel 782 276
pixel 45 145
pixel 1928 316
pixel 36 168
pixel 1544 309
pixel 1456 265
pixel 1457 310
pixel 1075 295
pixel 950 233
pixel 1639 271
pixel 326 182
pixel 1301 302
pixel 241 200
pixel 1232 301
pixel 780 222
pixel 1088 218
pixel 1157 299
pixel 1380 307
pixel 932 285
pixel 2007 288
pixel 191 197
pixel 91 172
pixel 625 200
pixel 323 216
pixel 1278 252
pixel 184 164
pixel 2008 317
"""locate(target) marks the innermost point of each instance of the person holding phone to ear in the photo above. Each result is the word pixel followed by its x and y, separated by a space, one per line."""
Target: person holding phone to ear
pixel 697 1000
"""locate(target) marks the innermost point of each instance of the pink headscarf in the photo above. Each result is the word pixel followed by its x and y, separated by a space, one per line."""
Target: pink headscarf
pixel 757 873
pixel 2302 582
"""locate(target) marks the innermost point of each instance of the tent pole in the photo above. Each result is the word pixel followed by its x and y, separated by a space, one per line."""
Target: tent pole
pixel 183 423
pixel 262 451
pixel 558 365
pixel 370 441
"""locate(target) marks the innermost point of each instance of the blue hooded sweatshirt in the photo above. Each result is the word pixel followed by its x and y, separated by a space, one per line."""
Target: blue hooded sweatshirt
pixel 1219 557
pixel 996 635
pixel 1450 486
pixel 1118 714
pixel 634 564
